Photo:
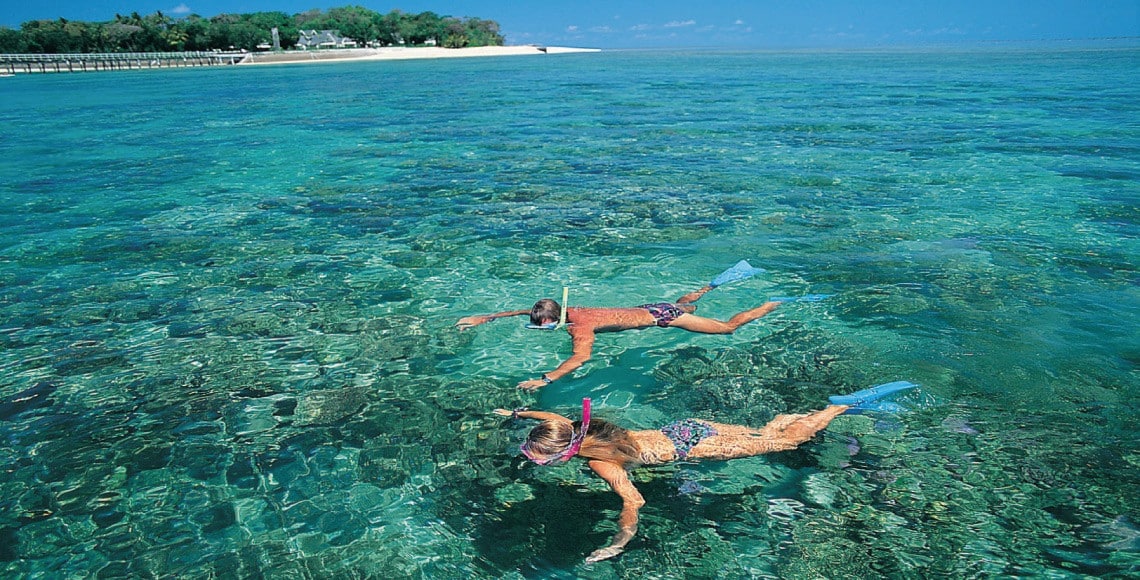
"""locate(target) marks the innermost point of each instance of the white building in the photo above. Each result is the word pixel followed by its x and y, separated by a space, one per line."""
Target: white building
pixel 318 39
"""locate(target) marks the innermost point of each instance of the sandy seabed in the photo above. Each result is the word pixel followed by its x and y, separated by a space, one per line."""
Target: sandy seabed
pixel 402 53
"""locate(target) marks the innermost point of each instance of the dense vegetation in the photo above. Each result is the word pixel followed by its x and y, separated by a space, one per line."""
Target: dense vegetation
pixel 161 33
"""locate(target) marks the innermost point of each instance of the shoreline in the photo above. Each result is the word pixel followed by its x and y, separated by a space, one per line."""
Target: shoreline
pixel 19 64
pixel 402 53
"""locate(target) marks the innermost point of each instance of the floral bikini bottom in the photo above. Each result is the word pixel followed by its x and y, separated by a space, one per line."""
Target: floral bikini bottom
pixel 685 434
pixel 664 313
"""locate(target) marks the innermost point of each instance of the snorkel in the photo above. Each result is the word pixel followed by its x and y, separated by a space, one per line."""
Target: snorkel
pixel 562 319
pixel 575 441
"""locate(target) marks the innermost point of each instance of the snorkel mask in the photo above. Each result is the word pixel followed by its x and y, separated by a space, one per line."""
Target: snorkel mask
pixel 547 326
pixel 575 441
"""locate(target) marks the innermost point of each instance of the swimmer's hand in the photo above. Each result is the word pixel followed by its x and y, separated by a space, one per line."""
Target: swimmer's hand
pixel 604 553
pixel 532 385
pixel 470 321
pixel 503 412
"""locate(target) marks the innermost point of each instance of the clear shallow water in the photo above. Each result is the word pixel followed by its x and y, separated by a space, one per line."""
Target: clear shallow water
pixel 226 300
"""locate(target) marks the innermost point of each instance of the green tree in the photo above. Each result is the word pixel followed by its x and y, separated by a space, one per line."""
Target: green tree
pixel 10 41
pixel 422 27
pixel 355 22
pixel 309 19
pixel 175 39
pixel 454 33
pixel 483 32
pixel 117 36
pixel 455 41
pixel 197 31
pixel 48 37
pixel 159 32
pixel 388 28
pixel 82 36
pixel 124 34
pixel 266 21
pixel 154 34
pixel 235 32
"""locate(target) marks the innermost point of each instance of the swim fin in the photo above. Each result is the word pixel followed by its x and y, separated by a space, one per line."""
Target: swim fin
pixel 741 271
pixel 868 399
pixel 876 407
pixel 804 298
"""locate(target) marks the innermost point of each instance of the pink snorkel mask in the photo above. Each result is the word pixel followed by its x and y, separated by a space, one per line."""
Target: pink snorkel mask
pixel 575 442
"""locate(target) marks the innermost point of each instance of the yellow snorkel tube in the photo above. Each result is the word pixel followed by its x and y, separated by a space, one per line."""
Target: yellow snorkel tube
pixel 565 298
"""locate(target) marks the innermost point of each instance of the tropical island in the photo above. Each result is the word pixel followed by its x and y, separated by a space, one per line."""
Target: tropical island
pixel 339 28
pixel 159 41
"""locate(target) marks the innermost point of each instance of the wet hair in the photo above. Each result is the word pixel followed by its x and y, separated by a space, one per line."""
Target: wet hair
pixel 545 311
pixel 604 441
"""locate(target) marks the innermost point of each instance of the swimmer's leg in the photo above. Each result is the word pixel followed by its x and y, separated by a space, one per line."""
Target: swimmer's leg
pixel 784 433
pixel 694 323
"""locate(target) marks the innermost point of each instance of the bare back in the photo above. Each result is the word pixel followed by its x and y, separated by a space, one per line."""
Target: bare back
pixel 609 319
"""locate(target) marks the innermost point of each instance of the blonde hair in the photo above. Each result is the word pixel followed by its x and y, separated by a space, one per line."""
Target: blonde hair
pixel 604 441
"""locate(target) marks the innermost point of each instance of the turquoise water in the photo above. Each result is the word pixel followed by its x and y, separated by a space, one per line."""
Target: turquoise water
pixel 226 300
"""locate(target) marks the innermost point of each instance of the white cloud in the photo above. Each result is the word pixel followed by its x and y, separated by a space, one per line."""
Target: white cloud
pixel 739 22
pixel 680 24
pixel 571 28
pixel 640 27
pixel 180 9
pixel 602 29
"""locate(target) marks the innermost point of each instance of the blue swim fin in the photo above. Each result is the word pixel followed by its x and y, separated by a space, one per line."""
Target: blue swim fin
pixel 868 399
pixel 804 298
pixel 741 271
pixel 876 407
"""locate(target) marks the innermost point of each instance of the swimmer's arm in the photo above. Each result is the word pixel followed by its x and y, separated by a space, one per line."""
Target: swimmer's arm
pixel 631 502
pixel 583 348
pixel 470 321
pixel 536 415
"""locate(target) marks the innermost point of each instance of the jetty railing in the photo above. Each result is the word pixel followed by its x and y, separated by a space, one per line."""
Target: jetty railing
pixel 88 62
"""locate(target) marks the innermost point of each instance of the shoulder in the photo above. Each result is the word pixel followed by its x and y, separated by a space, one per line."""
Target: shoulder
pixel 609 470
pixel 582 330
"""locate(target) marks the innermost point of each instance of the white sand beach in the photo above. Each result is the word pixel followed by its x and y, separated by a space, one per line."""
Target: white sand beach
pixel 403 53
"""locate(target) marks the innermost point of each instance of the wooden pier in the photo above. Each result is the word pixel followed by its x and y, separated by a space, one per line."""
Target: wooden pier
pixel 54 63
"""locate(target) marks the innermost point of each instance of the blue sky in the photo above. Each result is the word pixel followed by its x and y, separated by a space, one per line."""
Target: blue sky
pixel 692 23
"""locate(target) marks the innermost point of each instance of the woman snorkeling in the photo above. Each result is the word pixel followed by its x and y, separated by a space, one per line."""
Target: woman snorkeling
pixel 611 450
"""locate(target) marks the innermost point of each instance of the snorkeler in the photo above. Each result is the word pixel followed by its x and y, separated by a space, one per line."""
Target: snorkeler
pixel 612 451
pixel 584 323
